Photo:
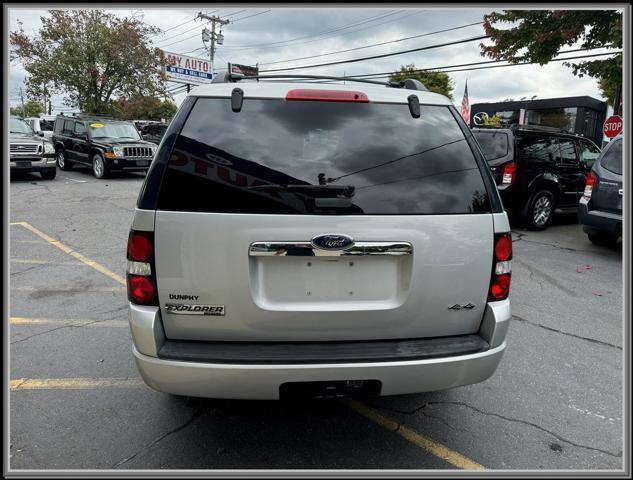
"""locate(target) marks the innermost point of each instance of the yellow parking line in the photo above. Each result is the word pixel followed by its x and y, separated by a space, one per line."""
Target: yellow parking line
pixel 435 448
pixel 78 323
pixel 74 383
pixel 64 248
pixel 42 262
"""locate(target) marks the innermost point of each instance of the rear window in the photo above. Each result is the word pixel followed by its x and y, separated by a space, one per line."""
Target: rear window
pixel 612 159
pixel 323 158
pixel 494 145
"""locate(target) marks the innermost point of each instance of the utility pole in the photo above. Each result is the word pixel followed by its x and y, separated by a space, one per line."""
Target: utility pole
pixel 213 37
pixel 22 99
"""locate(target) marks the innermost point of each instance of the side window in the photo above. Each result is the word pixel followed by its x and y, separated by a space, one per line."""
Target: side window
pixel 59 126
pixel 80 129
pixel 68 127
pixel 588 153
pixel 567 156
pixel 536 149
pixel 612 158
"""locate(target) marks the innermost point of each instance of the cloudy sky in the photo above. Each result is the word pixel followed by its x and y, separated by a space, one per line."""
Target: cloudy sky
pixel 286 35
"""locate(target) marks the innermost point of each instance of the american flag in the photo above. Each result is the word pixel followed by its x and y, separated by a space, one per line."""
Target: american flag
pixel 466 106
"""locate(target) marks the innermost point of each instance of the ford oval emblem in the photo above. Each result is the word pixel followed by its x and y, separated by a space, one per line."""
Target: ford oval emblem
pixel 333 241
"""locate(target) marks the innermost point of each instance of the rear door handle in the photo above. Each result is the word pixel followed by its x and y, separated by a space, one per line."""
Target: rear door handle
pixel 620 192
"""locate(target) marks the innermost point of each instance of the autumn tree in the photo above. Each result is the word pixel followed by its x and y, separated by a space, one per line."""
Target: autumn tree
pixel 437 82
pixel 538 36
pixel 31 109
pixel 145 108
pixel 91 56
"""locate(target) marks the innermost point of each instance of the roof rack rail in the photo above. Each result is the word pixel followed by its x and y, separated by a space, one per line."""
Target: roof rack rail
pixel 409 83
pixel 542 128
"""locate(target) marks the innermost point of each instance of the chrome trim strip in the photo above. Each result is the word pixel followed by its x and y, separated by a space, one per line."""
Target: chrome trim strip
pixel 301 249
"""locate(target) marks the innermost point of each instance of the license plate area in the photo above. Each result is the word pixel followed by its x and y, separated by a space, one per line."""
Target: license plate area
pixel 23 163
pixel 330 283
pixel 142 163
pixel 329 390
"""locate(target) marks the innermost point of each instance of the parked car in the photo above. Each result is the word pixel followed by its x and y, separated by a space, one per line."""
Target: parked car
pixel 42 124
pixel 154 132
pixel 600 210
pixel 320 240
pixel 29 152
pixel 104 144
pixel 538 172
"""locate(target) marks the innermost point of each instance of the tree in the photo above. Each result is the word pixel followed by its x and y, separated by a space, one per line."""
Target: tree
pixel 31 109
pixel 437 82
pixel 493 121
pixel 146 108
pixel 91 56
pixel 538 35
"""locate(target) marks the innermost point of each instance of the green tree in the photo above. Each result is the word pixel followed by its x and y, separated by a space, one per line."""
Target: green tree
pixel 493 121
pixel 92 57
pixel 145 108
pixel 31 109
pixel 538 35
pixel 437 82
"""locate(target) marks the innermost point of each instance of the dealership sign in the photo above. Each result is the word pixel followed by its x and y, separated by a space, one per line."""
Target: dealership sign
pixel 184 69
pixel 613 126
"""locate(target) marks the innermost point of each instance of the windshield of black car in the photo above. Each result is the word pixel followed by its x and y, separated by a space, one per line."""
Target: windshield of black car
pixel 121 130
pixel 20 126
pixel 494 145
pixel 396 164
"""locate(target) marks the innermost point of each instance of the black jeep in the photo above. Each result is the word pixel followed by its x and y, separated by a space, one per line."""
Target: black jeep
pixel 102 143
pixel 538 171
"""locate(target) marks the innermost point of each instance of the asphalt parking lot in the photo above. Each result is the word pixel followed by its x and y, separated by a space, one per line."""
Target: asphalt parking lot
pixel 77 401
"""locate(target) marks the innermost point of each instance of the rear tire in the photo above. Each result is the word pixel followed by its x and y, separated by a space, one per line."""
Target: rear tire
pixel 99 167
pixel 539 210
pixel 602 239
pixel 62 160
pixel 49 174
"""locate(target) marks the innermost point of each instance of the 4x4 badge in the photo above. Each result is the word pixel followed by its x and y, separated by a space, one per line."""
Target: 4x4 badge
pixel 457 306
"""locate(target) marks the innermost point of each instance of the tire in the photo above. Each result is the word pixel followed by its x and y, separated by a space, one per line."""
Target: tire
pixel 49 174
pixel 602 239
pixel 62 160
pixel 99 168
pixel 539 210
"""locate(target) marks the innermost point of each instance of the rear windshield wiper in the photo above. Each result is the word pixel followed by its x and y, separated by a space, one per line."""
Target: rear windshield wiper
pixel 316 190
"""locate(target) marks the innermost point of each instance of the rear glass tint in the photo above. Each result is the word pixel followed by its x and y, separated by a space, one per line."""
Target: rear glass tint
pixel 612 159
pixel 387 161
pixel 494 145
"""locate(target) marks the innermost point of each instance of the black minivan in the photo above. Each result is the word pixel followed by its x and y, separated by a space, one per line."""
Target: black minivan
pixel 538 172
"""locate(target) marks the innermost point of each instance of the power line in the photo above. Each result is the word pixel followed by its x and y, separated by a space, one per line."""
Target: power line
pixel 180 25
pixel 249 16
pixel 384 55
pixel 234 13
pixel 375 44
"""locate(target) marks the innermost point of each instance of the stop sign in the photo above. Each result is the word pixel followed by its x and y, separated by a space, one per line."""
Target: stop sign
pixel 613 126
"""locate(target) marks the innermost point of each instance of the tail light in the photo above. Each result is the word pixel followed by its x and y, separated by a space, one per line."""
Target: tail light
pixel 591 181
pixel 509 173
pixel 317 95
pixel 141 279
pixel 501 268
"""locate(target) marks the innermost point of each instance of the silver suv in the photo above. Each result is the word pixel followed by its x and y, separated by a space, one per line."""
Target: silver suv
pixel 320 238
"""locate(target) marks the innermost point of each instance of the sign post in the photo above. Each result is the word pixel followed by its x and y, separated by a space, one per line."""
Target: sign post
pixel 612 126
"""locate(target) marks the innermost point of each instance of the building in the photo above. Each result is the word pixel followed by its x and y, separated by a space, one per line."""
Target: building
pixel 581 115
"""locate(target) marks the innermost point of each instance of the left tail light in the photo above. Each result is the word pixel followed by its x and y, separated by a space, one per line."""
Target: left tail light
pixel 141 272
pixel 501 268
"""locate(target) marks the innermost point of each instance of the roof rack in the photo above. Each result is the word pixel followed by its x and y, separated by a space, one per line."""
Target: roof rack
pixel 542 128
pixel 409 83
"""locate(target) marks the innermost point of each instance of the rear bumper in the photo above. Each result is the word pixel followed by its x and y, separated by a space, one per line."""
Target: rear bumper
pixel 263 381
pixel 596 221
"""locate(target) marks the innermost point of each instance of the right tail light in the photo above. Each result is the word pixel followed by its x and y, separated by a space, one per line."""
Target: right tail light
pixel 509 173
pixel 591 181
pixel 501 268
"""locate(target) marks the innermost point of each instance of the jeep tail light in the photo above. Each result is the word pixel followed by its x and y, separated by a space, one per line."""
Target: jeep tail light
pixel 501 268
pixel 509 173
pixel 318 95
pixel 140 277
pixel 591 181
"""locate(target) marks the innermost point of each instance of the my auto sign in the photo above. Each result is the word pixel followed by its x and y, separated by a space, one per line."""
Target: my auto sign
pixel 183 69
pixel 613 126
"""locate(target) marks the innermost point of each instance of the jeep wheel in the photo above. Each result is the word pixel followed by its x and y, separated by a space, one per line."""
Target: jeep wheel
pixel 540 210
pixel 49 174
pixel 62 161
pixel 99 168
pixel 602 239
